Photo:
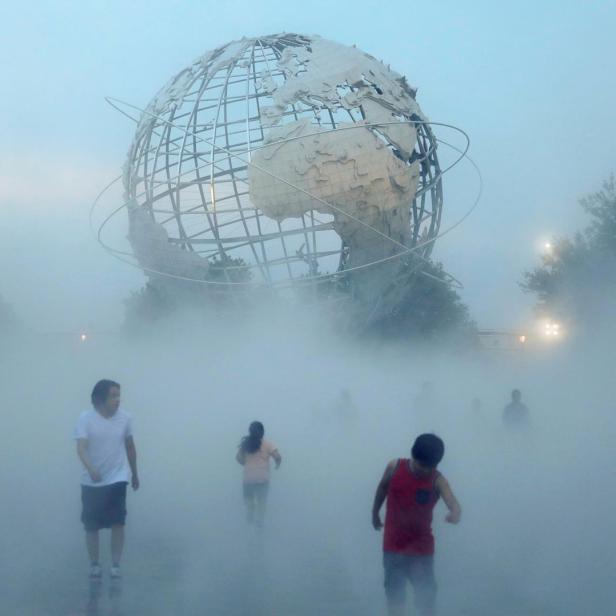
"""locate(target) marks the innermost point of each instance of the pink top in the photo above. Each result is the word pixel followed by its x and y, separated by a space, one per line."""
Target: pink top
pixel 257 464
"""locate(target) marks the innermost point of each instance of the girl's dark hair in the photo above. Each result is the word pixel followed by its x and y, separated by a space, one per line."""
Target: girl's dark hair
pixel 101 391
pixel 252 442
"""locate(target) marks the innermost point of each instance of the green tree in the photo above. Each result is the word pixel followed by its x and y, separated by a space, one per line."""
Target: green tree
pixel 151 303
pixel 161 297
pixel 576 281
pixel 430 311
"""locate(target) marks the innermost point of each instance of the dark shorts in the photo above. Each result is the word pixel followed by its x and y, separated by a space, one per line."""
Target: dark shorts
pixel 418 570
pixel 256 490
pixel 104 506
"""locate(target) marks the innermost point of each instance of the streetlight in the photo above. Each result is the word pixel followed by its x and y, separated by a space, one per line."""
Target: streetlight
pixel 83 337
pixel 546 247
pixel 551 329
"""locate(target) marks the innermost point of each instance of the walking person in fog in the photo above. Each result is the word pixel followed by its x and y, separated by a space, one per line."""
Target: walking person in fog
pixel 412 488
pixel 254 455
pixel 106 448
pixel 515 414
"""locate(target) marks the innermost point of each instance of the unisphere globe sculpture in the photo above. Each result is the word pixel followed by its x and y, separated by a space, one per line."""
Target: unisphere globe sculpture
pixel 281 161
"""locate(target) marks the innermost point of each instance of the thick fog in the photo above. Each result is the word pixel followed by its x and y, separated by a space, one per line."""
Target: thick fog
pixel 531 84
pixel 536 535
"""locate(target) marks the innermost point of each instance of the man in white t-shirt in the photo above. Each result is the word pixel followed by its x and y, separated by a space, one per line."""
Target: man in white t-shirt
pixel 107 451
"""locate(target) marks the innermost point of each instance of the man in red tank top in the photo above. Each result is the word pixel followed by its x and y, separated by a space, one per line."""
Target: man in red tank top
pixel 412 488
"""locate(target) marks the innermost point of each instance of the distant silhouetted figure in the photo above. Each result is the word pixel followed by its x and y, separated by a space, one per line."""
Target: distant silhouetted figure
pixel 516 413
pixel 254 455
pixel 425 400
pixel 426 410
pixel 477 410
pixel 345 410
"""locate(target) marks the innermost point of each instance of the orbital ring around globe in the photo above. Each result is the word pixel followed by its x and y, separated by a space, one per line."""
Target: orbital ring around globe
pixel 314 279
pixel 121 255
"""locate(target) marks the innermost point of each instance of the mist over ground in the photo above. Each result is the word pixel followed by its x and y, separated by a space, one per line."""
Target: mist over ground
pixel 536 536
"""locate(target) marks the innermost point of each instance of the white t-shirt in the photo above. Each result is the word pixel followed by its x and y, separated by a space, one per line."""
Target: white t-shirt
pixel 106 449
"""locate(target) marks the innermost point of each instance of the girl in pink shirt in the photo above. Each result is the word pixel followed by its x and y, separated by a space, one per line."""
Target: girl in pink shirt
pixel 254 455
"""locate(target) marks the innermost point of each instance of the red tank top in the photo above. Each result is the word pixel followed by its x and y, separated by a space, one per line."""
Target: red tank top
pixel 408 521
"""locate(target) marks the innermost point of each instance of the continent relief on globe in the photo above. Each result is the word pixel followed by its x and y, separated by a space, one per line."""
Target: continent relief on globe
pixel 301 168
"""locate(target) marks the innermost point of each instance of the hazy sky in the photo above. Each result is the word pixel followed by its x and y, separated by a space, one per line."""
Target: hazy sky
pixel 532 83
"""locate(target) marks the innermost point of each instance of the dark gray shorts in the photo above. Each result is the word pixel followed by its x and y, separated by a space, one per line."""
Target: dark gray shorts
pixel 256 490
pixel 418 570
pixel 103 506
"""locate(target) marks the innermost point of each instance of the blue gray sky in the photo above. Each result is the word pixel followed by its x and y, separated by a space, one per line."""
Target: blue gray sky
pixel 531 82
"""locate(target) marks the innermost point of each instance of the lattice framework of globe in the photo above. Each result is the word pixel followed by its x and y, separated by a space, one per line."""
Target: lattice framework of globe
pixel 282 159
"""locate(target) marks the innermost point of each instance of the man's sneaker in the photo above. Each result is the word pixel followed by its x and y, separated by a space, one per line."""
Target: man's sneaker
pixel 95 571
pixel 115 573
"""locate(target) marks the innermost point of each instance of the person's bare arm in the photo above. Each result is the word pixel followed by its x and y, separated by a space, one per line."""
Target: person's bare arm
pixel 240 456
pixel 82 452
pixel 277 457
pixel 131 454
pixel 455 511
pixel 381 494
